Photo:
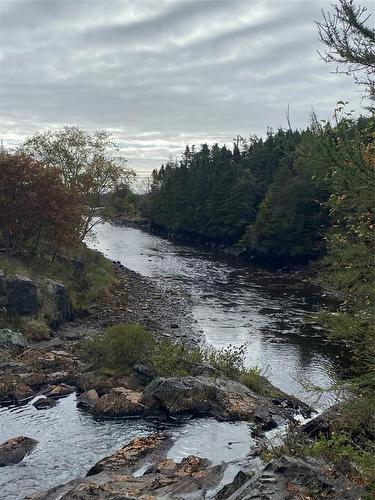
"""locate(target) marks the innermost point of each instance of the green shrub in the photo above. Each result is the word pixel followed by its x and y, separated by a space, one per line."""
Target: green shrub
pixel 253 379
pixel 36 330
pixel 119 348
pixel 228 360
pixel 122 346
pixel 173 360
pixel 349 456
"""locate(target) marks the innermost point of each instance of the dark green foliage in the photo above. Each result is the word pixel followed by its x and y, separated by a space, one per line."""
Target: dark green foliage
pixel 260 198
pixel 120 348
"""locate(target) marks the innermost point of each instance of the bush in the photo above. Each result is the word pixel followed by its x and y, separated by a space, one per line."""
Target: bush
pixel 253 379
pixel 173 360
pixel 36 330
pixel 120 348
pixel 228 360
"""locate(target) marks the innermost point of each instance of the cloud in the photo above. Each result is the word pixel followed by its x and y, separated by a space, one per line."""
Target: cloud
pixel 163 74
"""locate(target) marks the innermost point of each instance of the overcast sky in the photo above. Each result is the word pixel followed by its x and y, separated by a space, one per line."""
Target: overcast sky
pixel 160 74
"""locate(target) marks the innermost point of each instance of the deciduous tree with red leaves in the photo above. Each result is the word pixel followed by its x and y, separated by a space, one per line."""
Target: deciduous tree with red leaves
pixel 37 211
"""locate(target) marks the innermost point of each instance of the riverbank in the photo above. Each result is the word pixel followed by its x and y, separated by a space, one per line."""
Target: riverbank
pixel 56 366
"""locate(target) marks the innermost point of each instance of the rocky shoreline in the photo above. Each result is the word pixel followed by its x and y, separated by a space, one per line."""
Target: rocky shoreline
pixel 51 369
pixel 142 470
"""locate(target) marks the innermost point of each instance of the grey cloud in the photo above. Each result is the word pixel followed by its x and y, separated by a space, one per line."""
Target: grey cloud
pixel 162 74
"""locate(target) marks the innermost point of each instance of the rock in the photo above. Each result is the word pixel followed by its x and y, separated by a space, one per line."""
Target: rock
pixel 57 297
pixel 197 369
pixel 41 360
pixel 34 380
pixel 174 325
pixel 144 373
pixel 88 399
pixel 90 380
pixel 288 478
pixel 60 390
pixel 323 424
pixel 12 341
pixel 3 284
pixel 127 459
pixel 67 377
pixel 13 390
pixel 44 403
pixel 22 294
pixel 205 396
pixel 140 470
pixel 15 449
pixel 119 402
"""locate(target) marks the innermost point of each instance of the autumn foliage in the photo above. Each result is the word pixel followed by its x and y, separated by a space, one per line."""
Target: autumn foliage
pixel 37 211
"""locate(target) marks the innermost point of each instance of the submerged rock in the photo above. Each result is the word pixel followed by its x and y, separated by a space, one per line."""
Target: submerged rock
pixel 290 478
pixel 15 449
pixel 44 403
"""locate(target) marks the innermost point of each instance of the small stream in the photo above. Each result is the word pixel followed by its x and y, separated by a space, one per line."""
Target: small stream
pixel 232 304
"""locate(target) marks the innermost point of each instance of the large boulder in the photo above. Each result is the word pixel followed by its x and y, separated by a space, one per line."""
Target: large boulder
pixel 289 478
pixel 12 341
pixel 15 449
pixel 22 295
pixel 56 302
pixel 119 402
pixel 127 460
pixel 221 398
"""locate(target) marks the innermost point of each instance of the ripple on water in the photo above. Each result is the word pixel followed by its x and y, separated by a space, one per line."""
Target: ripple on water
pixel 69 443
pixel 231 305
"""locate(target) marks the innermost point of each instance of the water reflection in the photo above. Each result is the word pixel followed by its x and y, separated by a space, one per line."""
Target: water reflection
pixel 233 304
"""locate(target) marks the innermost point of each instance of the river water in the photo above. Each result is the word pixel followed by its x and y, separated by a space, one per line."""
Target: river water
pixel 231 304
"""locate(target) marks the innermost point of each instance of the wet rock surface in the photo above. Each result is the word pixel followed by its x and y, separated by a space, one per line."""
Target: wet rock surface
pixel 44 403
pixel 15 449
pixel 141 470
pixel 224 399
pixel 292 478
pixel 88 399
pixel 119 402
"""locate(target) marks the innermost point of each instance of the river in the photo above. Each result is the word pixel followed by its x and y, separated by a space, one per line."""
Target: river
pixel 232 304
